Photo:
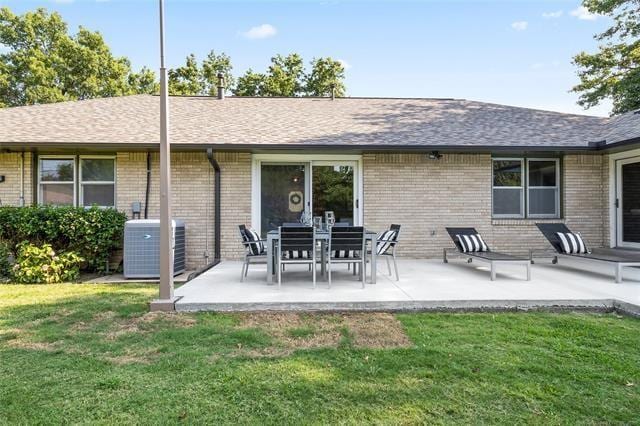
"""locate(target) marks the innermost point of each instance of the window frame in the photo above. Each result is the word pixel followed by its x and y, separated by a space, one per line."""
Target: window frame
pixel 521 188
pixel 41 182
pixel 556 215
pixel 78 195
pixel 81 181
pixel 524 200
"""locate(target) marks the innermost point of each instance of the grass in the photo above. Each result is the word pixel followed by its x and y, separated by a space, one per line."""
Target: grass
pixel 92 354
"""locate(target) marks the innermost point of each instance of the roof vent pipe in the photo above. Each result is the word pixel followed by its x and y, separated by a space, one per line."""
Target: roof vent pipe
pixel 333 91
pixel 220 85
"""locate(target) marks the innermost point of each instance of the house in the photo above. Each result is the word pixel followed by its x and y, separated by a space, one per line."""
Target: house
pixel 424 163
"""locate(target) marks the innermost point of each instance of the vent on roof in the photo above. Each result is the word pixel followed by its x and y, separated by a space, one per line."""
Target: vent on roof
pixel 220 85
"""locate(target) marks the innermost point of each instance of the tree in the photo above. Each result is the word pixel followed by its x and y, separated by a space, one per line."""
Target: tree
pixel 186 80
pixel 326 75
pixel 211 66
pixel 193 79
pixel 44 63
pixel 144 82
pixel 250 84
pixel 286 76
pixel 614 71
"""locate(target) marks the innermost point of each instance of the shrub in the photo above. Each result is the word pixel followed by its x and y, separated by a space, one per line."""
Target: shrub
pixel 42 265
pixel 92 233
pixel 5 263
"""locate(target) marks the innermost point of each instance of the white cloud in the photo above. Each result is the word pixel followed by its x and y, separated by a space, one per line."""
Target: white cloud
pixel 582 13
pixel 520 25
pixel 261 31
pixel 552 15
pixel 537 66
pixel 345 64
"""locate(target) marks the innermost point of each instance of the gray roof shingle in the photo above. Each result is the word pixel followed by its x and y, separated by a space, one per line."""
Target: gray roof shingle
pixel 269 122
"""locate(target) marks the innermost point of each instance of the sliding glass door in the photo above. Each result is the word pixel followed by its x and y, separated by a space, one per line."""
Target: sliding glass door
pixel 628 186
pixel 333 190
pixel 284 190
pixel 283 194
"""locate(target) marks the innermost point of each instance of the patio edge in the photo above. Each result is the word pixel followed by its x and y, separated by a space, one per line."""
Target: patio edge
pixel 601 305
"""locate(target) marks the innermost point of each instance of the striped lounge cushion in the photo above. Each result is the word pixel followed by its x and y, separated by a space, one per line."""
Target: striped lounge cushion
pixel 471 243
pixel 297 254
pixel 345 254
pixel 256 247
pixel 385 241
pixel 572 243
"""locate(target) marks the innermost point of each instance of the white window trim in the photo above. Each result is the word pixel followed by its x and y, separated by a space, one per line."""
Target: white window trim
pixel 57 157
pixel 556 215
pixel 258 159
pixel 81 182
pixel 521 188
pixel 77 177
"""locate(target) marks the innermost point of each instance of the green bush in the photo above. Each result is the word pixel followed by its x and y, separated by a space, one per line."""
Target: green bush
pixel 92 233
pixel 43 265
pixel 5 264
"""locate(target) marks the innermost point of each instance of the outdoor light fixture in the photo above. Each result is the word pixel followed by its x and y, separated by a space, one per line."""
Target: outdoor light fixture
pixel 435 155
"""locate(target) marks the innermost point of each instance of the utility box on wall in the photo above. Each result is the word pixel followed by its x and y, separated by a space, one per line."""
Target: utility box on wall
pixel 142 248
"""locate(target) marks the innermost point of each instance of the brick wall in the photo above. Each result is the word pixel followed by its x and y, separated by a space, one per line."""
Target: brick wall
pixel 192 194
pixel 422 195
pixel 10 164
pixel 426 195
pixel 235 200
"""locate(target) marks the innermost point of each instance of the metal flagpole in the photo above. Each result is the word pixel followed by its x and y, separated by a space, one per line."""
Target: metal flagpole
pixel 167 298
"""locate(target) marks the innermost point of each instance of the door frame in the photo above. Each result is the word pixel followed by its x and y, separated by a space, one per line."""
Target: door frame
pixel 619 208
pixel 308 160
pixel 615 220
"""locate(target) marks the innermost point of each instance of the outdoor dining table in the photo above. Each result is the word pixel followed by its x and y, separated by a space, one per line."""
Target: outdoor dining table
pixel 323 236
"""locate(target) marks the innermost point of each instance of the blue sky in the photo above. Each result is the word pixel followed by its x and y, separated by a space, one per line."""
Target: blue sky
pixel 510 52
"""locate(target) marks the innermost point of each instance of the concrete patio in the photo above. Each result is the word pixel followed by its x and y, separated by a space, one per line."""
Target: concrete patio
pixel 423 285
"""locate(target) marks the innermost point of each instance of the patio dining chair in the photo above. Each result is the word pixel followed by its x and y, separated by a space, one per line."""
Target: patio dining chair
pixel 386 244
pixel 254 249
pixel 297 246
pixel 347 244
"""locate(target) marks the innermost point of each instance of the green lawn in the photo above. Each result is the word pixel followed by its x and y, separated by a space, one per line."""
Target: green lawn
pixel 92 354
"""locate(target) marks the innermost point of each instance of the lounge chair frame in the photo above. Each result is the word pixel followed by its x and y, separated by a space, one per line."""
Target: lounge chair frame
pixel 494 259
pixel 549 230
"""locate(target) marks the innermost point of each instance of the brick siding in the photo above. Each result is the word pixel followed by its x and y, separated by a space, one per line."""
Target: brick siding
pixel 422 195
pixel 425 196
pixel 10 169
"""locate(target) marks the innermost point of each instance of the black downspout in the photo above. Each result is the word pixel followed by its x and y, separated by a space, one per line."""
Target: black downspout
pixel 216 216
pixel 146 193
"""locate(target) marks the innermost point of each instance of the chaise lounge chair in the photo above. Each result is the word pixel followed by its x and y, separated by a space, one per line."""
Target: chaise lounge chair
pixel 618 258
pixel 481 251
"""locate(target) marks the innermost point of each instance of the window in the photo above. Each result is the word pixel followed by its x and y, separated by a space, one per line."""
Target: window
pixel 531 186
pixel 57 181
pixel 97 182
pixel 508 188
pixel 60 185
pixel 543 189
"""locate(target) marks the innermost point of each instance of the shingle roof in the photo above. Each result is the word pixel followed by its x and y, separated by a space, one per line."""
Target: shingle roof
pixel 268 122
pixel 622 128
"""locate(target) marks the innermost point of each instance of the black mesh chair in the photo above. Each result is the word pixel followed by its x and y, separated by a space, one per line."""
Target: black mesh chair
pixel 491 257
pixel 297 246
pixel 347 244
pixel 254 250
pixel 617 257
